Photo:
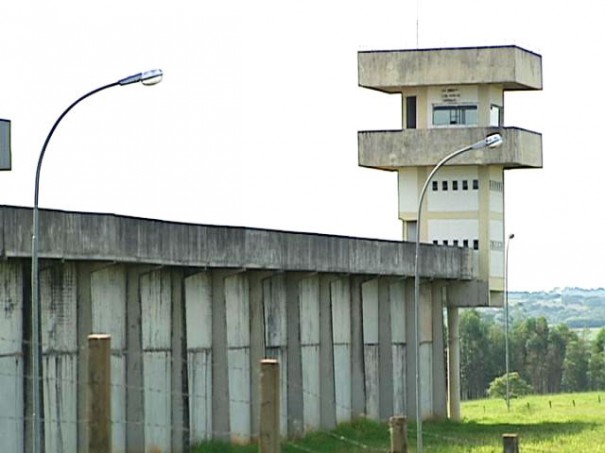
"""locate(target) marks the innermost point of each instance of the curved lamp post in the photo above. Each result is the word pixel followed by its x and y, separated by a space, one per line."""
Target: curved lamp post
pixel 506 353
pixel 491 141
pixel 146 78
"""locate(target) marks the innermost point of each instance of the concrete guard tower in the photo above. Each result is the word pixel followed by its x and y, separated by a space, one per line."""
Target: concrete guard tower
pixel 452 98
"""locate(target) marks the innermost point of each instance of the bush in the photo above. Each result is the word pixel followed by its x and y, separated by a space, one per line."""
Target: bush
pixel 517 386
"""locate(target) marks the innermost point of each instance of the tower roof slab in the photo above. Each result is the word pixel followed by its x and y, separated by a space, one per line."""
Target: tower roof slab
pixel 390 71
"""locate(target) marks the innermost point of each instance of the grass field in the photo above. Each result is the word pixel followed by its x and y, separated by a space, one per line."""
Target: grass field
pixel 550 423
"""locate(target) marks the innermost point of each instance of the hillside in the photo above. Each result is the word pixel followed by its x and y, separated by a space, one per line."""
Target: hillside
pixel 576 307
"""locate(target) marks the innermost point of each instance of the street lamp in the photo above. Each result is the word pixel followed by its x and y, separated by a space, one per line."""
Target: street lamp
pixel 510 236
pixel 146 78
pixel 491 141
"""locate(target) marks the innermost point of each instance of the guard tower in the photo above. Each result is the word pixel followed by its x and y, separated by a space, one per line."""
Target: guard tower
pixel 452 98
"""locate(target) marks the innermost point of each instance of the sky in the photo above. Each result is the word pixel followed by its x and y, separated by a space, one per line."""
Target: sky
pixel 255 123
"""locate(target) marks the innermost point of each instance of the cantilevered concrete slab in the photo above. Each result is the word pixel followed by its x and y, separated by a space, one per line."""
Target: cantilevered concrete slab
pixel 390 150
pixel 511 66
pixel 107 237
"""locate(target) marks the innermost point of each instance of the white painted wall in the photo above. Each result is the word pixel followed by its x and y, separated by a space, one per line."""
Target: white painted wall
pixel 453 200
pixel 407 180
pixel 454 229
pixel 496 256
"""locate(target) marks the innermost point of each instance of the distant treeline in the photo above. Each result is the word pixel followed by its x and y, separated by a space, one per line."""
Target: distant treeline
pixel 576 307
pixel 551 359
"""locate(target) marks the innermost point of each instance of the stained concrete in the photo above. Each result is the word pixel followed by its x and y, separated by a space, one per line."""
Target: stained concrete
pixel 187 335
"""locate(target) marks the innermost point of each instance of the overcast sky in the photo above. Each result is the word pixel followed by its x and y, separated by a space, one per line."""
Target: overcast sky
pixel 255 122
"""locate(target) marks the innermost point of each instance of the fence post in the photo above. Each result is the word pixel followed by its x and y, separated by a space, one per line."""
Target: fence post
pixel 269 407
pixel 399 434
pixel 510 443
pixel 99 393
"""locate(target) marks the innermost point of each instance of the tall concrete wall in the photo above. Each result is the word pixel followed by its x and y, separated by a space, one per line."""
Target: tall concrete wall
pixel 187 339
pixel 310 331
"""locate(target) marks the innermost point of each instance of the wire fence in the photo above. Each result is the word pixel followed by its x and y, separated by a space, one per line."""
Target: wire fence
pixel 167 407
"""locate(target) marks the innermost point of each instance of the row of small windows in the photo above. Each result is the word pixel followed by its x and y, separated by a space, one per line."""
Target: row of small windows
pixel 493 245
pixel 496 245
pixel 494 186
pixel 457 243
pixel 456 185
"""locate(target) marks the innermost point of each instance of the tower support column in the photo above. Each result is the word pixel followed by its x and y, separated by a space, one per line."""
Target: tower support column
pixel 453 363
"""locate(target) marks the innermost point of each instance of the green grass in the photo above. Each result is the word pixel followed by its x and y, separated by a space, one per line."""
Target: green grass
pixel 550 423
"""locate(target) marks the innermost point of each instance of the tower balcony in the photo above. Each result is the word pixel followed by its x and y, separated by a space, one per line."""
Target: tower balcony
pixel 390 150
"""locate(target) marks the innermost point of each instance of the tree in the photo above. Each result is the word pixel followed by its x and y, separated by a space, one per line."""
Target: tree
pixel 536 347
pixel 517 386
pixel 596 371
pixel 558 338
pixel 474 351
pixel 596 365
pixel 575 366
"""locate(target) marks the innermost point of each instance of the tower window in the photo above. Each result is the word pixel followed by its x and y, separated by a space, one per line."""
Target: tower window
pixel 496 186
pixel 435 186
pixel 475 184
pixel 456 242
pixel 464 184
pixel 454 185
pixel 451 115
pixel 410 112
pixel 465 243
pixel 444 185
pixel 446 242
pixel 475 244
pixel 496 116
pixel 435 241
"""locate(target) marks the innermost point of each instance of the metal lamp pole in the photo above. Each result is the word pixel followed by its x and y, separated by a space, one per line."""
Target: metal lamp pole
pixel 506 353
pixel 491 141
pixel 146 78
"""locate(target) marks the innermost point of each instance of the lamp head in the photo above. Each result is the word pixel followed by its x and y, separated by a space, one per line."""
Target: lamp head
pixel 493 140
pixel 151 77
pixel 511 236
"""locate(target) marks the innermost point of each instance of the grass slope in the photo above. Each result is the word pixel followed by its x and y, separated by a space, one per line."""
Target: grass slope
pixel 550 423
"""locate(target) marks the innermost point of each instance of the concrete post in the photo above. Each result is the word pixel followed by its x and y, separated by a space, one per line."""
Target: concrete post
pixel 99 394
pixel 269 407
pixel 453 363
pixel 510 443
pixel 399 435
pixel 439 372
